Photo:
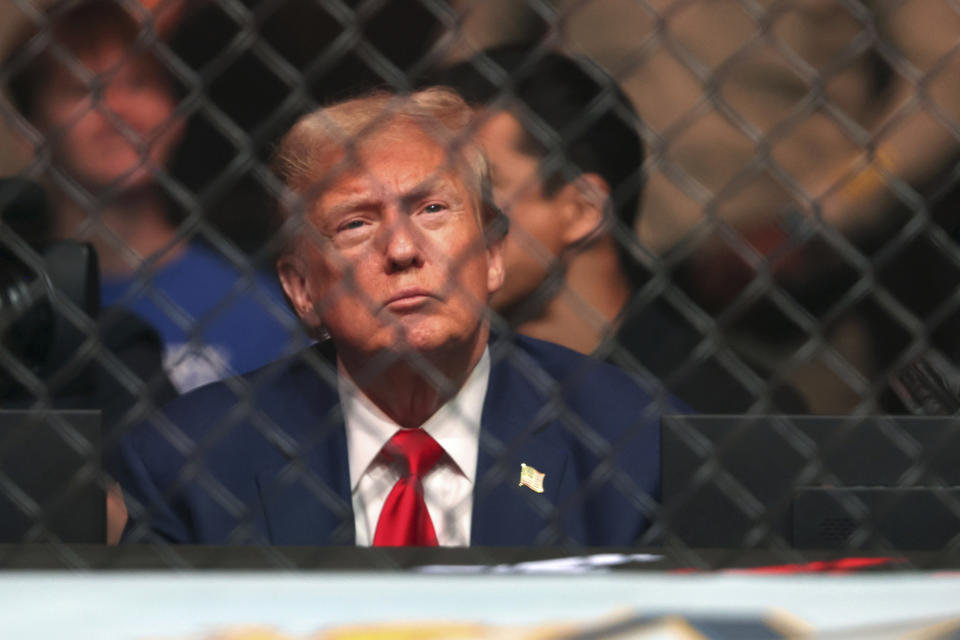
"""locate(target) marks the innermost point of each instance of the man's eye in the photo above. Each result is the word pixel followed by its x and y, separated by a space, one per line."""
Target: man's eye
pixel 351 225
pixel 434 207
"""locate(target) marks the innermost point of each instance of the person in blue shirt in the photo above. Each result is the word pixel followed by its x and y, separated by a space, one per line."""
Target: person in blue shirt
pixel 216 319
pixel 106 108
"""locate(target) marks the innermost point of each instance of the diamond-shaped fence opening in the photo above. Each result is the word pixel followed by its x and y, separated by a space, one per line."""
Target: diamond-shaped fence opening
pixel 750 210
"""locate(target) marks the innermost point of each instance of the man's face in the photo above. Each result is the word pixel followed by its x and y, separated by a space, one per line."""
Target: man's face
pixel 395 257
pixel 119 136
pixel 536 231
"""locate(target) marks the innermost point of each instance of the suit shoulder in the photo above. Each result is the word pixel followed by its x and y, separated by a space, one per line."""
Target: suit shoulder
pixel 556 358
pixel 268 389
pixel 589 378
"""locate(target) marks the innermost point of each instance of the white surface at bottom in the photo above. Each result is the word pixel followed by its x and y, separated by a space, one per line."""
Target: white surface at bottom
pixel 136 605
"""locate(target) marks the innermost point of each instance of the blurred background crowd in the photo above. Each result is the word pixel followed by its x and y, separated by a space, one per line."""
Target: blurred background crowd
pixel 774 184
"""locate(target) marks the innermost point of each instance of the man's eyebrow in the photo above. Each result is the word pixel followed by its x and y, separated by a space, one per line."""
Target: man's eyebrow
pixel 351 204
pixel 429 187
pixel 367 202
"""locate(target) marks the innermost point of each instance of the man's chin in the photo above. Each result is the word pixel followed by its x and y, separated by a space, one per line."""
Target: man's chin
pixel 519 306
pixel 426 345
pixel 430 338
pixel 432 341
pixel 397 342
pixel 117 177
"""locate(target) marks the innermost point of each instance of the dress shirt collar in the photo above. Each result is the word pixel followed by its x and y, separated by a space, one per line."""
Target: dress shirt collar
pixel 455 426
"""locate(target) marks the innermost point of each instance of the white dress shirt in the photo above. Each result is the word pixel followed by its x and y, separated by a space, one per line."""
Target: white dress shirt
pixel 447 488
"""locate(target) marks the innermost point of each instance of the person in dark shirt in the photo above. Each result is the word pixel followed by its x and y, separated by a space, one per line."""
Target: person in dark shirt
pixel 566 157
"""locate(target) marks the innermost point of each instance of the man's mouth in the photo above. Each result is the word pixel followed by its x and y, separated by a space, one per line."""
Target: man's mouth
pixel 409 299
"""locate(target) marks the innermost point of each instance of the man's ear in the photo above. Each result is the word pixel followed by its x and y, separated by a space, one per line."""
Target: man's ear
pixel 294 276
pixel 585 201
pixel 495 270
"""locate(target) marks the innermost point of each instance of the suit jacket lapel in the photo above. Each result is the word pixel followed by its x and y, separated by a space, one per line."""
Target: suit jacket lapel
pixel 306 498
pixel 515 429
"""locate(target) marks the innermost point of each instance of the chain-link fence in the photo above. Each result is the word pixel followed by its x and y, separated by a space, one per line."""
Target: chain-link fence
pixel 748 208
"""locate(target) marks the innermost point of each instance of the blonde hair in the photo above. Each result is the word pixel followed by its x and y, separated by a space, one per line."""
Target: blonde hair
pixel 324 144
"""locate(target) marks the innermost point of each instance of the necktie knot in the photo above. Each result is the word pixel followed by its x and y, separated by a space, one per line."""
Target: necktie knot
pixel 405 519
pixel 414 451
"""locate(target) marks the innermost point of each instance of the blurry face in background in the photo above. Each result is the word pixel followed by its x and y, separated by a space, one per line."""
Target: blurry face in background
pixel 114 136
pixel 536 234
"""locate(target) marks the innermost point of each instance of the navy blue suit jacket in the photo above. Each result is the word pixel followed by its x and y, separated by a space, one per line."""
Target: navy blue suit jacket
pixel 262 459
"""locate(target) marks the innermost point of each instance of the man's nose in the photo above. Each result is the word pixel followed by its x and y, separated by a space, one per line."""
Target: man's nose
pixel 121 105
pixel 402 244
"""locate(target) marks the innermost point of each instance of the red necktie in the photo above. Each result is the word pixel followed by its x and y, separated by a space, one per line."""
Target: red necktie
pixel 404 520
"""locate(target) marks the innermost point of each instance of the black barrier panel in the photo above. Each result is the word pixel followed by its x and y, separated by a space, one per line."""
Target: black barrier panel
pixel 51 475
pixel 811 481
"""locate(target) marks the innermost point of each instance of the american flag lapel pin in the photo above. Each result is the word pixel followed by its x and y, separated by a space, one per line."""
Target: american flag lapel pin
pixel 531 478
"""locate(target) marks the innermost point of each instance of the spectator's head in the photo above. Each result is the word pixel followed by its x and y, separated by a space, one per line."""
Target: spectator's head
pixel 565 156
pixel 92 87
pixel 392 247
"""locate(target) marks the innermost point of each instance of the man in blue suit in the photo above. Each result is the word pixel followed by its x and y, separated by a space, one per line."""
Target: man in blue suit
pixel 407 424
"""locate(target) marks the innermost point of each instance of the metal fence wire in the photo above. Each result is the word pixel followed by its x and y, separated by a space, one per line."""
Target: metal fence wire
pixel 785 241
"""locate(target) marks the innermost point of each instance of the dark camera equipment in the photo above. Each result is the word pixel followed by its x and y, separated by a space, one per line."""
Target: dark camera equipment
pixel 50 486
pixel 41 283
